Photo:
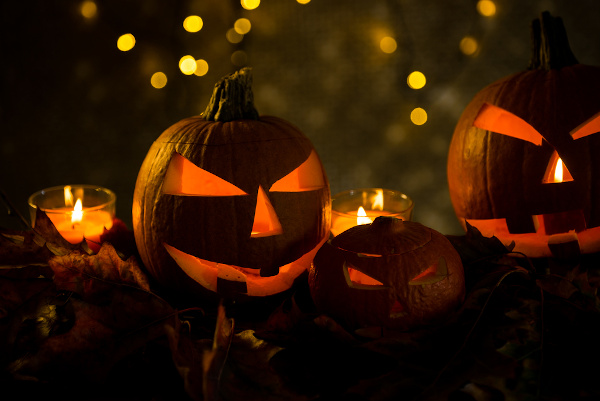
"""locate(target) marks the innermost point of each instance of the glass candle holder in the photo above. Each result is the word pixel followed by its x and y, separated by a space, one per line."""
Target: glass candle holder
pixel 361 206
pixel 77 211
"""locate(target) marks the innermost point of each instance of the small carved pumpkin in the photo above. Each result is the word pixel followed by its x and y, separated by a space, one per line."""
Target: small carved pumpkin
pixel 390 273
pixel 523 163
pixel 230 202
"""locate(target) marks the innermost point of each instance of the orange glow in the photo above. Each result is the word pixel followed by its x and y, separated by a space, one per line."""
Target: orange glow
pixel 378 200
pixel 434 273
pixel 589 127
pixel 360 278
pixel 68 196
pixel 495 119
pixel 77 215
pixel 185 178
pixel 206 272
pixel 361 217
pixel 557 171
pixel 306 177
pixel 266 222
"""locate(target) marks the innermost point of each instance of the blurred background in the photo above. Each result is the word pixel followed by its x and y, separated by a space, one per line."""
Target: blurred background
pixel 87 86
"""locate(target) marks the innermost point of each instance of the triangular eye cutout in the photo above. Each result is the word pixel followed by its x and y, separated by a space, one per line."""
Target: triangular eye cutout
pixel 591 126
pixel 556 171
pixel 434 273
pixel 266 222
pixel 306 177
pixel 185 178
pixel 357 279
pixel 495 119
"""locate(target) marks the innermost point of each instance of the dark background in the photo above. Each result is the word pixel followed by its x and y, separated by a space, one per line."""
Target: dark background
pixel 74 109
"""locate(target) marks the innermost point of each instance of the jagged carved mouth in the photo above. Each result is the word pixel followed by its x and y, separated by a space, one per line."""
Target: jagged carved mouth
pixel 543 224
pixel 207 273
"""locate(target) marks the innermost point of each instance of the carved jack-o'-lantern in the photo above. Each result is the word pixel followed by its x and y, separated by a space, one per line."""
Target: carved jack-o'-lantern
pixel 523 163
pixel 229 202
pixel 390 273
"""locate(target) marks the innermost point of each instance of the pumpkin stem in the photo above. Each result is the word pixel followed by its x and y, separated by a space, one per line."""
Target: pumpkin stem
pixel 232 98
pixel 550 45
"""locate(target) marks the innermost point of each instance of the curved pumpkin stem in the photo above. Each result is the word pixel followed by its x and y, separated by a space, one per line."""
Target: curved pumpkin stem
pixel 232 98
pixel 551 48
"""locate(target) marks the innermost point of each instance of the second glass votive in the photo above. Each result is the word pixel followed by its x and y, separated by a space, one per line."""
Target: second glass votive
pixel 361 206
pixel 77 211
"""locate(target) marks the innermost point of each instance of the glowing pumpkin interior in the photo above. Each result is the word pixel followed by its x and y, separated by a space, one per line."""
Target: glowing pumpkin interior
pixel 497 120
pixel 184 178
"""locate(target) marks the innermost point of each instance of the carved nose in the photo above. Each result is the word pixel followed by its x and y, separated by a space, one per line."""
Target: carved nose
pixel 266 222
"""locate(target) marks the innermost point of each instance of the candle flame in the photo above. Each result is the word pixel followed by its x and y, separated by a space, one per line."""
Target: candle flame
pixel 378 201
pixel 558 171
pixel 361 217
pixel 77 212
pixel 68 196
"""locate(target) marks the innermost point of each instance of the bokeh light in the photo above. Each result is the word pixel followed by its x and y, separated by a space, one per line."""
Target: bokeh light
pixel 88 9
pixel 187 65
pixel 388 44
pixel 193 23
pixel 242 26
pixel 418 116
pixel 158 80
pixel 250 4
pixel 468 45
pixel 239 58
pixel 487 8
pixel 201 67
pixel 416 80
pixel 303 1
pixel 126 42
pixel 233 37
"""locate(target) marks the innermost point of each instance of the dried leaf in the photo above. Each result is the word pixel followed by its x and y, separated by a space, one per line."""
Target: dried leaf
pixel 88 275
pixel 45 228
pixel 188 356
pixel 121 238
pixel 214 359
pixel 112 314
pixel 249 375
pixel 18 248
pixel 473 246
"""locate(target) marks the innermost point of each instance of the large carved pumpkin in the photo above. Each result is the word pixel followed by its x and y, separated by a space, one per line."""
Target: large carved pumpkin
pixel 229 202
pixel 523 164
pixel 390 273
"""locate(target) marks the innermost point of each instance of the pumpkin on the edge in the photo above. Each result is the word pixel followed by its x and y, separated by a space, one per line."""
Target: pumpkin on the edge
pixel 230 203
pixel 391 273
pixel 523 163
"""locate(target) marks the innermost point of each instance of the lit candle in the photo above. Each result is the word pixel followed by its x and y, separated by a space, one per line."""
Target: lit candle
pixel 361 206
pixel 78 212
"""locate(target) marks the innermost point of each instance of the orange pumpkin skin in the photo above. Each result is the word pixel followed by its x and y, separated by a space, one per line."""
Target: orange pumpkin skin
pixel 399 255
pixel 496 178
pixel 250 155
